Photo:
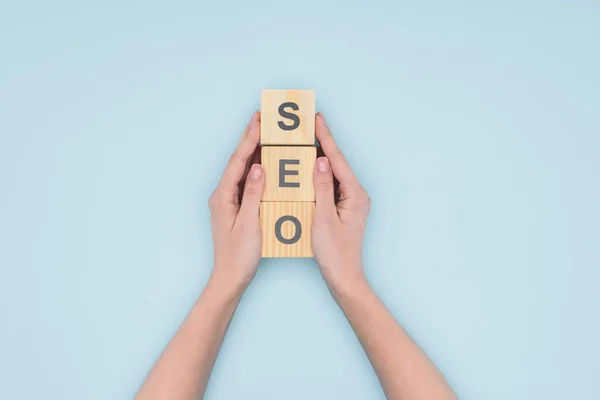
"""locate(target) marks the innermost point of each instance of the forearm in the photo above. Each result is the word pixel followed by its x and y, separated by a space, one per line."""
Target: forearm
pixel 405 372
pixel 183 369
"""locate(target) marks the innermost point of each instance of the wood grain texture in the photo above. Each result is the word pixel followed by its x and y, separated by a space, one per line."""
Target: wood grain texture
pixel 271 213
pixel 280 163
pixel 270 131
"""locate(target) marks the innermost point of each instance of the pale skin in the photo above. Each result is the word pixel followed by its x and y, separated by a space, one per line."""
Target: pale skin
pixel 183 369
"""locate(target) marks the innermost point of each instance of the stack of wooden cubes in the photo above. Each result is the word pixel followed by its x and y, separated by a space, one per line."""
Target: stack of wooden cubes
pixel 288 156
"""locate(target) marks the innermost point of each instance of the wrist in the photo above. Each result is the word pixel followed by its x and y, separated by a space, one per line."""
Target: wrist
pixel 352 293
pixel 349 285
pixel 225 286
pixel 217 302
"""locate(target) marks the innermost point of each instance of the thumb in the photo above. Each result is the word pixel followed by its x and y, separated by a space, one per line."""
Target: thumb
pixel 253 191
pixel 323 180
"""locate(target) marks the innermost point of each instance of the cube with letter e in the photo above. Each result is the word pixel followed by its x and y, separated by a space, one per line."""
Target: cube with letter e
pixel 289 173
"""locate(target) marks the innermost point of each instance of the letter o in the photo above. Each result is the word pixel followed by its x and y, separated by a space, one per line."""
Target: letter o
pixel 279 224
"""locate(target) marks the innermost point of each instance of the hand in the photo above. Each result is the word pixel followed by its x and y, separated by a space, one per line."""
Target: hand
pixel 338 230
pixel 236 228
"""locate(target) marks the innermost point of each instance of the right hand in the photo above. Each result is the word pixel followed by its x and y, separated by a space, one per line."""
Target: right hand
pixel 338 229
pixel 236 228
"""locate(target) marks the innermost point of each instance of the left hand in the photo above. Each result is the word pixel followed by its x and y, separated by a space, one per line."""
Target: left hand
pixel 236 228
pixel 338 229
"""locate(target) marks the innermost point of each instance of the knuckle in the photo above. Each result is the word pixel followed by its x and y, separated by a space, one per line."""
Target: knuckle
pixel 337 152
pixel 325 185
pixel 363 200
pixel 212 201
pixel 235 158
pixel 215 200
pixel 250 190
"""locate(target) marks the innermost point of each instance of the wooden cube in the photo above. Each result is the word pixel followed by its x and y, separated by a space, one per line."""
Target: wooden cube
pixel 287 117
pixel 289 173
pixel 287 229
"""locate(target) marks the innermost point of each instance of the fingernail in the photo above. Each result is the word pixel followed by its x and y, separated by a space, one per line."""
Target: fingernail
pixel 321 116
pixel 256 172
pixel 323 164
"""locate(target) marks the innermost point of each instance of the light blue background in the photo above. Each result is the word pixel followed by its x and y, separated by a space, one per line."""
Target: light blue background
pixel 475 127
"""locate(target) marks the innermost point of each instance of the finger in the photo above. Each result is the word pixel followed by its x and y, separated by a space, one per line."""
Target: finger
pixel 324 189
pixel 336 183
pixel 237 162
pixel 255 116
pixel 253 191
pixel 339 165
pixel 254 159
